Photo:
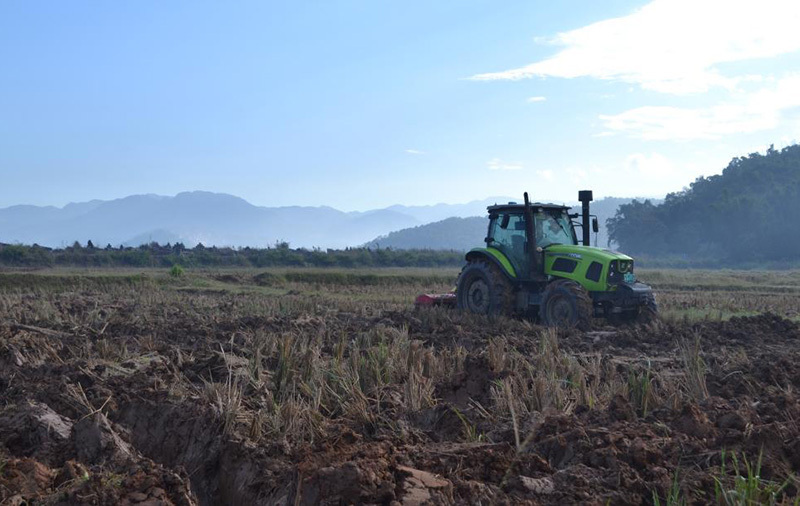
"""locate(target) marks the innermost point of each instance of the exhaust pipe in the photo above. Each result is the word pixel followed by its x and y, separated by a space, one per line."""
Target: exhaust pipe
pixel 585 196
pixel 529 231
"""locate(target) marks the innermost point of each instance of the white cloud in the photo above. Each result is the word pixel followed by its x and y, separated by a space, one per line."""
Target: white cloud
pixel 672 46
pixel 498 164
pixel 651 166
pixel 579 176
pixel 546 174
pixel 744 113
pixel 415 152
pixel 532 100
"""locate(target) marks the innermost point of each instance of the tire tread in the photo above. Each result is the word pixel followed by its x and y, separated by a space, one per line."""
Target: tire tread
pixel 583 302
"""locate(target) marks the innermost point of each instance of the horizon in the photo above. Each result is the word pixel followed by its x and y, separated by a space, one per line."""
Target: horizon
pixel 359 106
pixel 573 201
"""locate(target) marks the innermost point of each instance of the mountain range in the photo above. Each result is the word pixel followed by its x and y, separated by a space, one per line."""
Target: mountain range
pixel 217 219
pixel 213 219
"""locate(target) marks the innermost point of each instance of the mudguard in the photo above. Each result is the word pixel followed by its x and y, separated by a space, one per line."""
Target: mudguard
pixel 496 257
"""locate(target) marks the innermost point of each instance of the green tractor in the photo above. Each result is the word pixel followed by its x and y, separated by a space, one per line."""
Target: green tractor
pixel 533 264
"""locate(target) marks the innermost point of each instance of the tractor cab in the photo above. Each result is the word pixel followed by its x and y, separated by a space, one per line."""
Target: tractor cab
pixel 518 240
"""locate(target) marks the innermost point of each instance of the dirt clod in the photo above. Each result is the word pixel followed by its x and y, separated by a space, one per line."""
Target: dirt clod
pixel 33 429
pixel 96 441
pixel 423 488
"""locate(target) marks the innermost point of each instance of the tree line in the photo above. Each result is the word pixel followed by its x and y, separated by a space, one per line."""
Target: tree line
pixel 746 215
pixel 281 255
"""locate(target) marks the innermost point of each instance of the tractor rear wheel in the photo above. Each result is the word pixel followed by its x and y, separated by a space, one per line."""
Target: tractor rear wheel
pixel 565 303
pixel 483 289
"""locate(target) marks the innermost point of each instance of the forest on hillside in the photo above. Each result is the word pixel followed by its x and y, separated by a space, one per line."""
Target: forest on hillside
pixel 745 216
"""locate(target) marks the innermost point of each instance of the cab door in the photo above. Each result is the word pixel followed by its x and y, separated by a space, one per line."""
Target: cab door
pixel 507 233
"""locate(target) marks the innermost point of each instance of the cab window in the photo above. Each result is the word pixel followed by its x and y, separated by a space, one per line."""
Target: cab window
pixel 508 235
pixel 553 227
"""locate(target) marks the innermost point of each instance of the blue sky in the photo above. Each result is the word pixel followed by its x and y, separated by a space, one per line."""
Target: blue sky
pixel 359 105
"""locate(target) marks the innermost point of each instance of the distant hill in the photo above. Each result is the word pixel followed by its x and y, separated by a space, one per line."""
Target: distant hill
pixel 438 212
pixel 458 234
pixel 604 209
pixel 462 234
pixel 747 214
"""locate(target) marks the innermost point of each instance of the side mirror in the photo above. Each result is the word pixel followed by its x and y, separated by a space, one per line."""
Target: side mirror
pixel 595 226
pixel 487 240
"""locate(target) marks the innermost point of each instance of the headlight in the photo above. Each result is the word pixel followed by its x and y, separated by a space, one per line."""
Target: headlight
pixel 624 266
pixel 620 271
pixel 614 276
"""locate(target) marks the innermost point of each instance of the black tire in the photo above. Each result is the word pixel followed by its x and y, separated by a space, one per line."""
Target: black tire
pixel 565 303
pixel 483 289
pixel 645 313
pixel 648 312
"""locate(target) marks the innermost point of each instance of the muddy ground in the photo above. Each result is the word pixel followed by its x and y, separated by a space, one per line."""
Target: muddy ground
pixel 149 395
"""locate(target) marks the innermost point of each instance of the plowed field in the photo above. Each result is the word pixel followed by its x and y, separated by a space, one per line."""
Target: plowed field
pixel 264 388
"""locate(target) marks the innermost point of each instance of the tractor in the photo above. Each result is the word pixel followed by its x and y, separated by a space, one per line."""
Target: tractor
pixel 534 265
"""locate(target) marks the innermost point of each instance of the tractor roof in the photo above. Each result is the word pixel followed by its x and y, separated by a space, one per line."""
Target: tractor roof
pixel 514 206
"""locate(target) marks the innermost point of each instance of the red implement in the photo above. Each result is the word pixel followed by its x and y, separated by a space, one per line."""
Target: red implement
pixel 436 299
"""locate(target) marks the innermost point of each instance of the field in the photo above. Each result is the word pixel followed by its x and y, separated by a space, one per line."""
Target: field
pixel 327 386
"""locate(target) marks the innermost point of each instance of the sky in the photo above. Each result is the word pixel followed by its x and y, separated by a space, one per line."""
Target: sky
pixel 364 104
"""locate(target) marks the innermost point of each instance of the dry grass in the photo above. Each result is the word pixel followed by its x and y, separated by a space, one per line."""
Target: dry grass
pixel 287 383
pixel 291 383
pixel 694 368
pixel 294 358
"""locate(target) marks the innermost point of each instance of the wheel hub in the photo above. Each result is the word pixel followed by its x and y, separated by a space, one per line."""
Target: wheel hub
pixel 560 311
pixel 478 296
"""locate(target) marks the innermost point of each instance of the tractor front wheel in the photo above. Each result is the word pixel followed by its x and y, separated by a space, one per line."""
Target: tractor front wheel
pixel 647 312
pixel 483 289
pixel 565 303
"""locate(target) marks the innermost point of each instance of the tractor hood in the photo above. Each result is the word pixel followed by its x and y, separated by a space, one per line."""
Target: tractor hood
pixel 596 269
pixel 584 253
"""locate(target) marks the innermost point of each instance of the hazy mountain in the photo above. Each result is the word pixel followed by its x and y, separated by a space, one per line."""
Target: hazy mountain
pixel 194 217
pixel 458 234
pixel 438 212
pixel 225 220
pixel 211 219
